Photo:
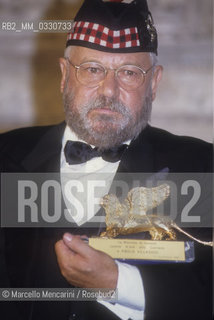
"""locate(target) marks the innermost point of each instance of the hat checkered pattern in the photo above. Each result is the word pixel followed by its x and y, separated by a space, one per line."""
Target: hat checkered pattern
pixel 103 36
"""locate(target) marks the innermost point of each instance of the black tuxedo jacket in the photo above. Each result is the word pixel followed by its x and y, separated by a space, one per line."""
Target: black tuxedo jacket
pixel 173 291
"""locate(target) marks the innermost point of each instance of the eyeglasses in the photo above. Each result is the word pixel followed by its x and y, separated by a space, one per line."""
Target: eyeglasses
pixel 91 74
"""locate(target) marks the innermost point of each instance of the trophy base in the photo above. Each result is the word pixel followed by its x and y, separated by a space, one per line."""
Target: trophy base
pixel 145 251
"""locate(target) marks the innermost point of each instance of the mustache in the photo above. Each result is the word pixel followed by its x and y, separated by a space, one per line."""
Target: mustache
pixel 106 102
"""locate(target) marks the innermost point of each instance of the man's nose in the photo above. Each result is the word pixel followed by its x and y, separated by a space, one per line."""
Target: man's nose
pixel 109 86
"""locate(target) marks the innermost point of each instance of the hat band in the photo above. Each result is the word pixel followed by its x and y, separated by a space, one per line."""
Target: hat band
pixel 103 36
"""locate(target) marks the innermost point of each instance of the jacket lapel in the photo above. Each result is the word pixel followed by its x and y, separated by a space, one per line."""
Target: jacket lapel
pixel 45 157
pixel 139 155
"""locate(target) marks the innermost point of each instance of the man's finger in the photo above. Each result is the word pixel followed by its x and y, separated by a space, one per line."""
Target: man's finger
pixel 77 244
pixel 62 249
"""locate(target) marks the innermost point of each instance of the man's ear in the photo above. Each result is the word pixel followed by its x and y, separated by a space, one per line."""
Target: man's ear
pixel 62 64
pixel 157 76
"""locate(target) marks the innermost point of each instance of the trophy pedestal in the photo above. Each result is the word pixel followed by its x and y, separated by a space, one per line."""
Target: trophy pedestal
pixel 144 251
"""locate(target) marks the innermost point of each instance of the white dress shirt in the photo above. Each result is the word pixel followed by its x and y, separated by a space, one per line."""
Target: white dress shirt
pixel 131 298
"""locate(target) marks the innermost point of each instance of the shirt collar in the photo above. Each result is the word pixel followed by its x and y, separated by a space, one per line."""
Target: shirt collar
pixel 70 135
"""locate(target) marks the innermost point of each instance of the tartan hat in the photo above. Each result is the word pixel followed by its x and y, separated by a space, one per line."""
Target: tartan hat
pixel 118 26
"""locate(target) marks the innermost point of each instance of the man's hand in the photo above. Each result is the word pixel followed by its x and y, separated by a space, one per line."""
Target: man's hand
pixel 84 266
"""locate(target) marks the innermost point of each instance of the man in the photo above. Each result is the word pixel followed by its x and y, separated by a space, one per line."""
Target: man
pixel 109 80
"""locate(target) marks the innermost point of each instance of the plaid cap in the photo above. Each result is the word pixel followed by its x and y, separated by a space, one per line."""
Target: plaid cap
pixel 114 26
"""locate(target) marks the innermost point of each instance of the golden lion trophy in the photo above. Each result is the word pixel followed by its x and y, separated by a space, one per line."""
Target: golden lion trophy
pixel 131 217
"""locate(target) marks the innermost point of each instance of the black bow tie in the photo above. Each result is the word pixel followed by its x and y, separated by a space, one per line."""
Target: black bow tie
pixel 79 152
